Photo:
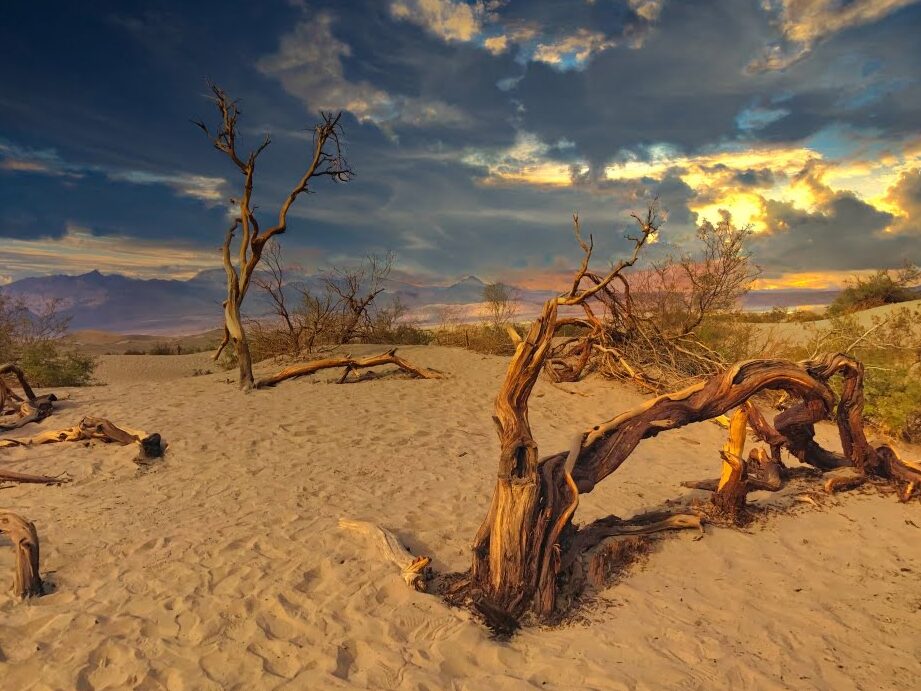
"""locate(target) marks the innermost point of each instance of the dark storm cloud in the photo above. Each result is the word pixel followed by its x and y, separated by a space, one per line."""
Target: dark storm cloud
pixel 433 92
pixel 844 234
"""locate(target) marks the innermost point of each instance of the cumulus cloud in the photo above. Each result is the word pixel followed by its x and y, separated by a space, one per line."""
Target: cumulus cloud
pixel 905 199
pixel 572 51
pixel 448 19
pixel 804 23
pixel 529 161
pixel 308 64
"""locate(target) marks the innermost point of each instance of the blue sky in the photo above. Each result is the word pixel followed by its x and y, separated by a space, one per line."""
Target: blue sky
pixel 475 129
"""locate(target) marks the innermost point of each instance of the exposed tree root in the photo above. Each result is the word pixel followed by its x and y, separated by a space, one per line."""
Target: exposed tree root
pixel 350 364
pixel 413 569
pixel 27 581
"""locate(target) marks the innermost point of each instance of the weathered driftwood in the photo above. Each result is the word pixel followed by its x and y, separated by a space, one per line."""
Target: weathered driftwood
pixel 150 446
pixel 412 568
pixel 350 364
pixel 27 581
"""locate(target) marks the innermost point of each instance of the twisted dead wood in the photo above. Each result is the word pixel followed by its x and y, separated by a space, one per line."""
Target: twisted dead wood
pixel 350 364
pixel 150 446
pixel 32 409
pixel 27 581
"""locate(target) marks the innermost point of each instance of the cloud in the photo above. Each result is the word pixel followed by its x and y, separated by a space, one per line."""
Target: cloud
pixel 206 189
pixel 308 64
pixel 18 159
pixel 528 161
pixel 572 51
pixel 567 38
pixel 448 19
pixel 805 23
pixel 904 198
pixel 79 250
pixel 842 232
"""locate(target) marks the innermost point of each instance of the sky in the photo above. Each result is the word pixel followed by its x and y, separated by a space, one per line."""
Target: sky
pixel 476 130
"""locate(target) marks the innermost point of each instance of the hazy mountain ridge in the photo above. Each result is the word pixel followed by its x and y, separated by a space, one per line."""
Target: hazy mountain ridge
pixel 114 302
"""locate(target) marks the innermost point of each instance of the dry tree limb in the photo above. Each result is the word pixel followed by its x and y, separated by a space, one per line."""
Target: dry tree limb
pixel 412 568
pixel 350 363
pixel 12 368
pixel 27 581
pixel 25 478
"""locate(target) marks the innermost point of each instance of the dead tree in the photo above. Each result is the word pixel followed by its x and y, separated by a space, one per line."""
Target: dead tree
pixel 326 160
pixel 530 557
pixel 27 581
pixel 357 287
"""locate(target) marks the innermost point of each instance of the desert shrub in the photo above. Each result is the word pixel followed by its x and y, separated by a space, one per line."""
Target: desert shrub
pixel 161 349
pixel 481 338
pixel 46 364
pixel 133 351
pixel 33 340
pixel 881 288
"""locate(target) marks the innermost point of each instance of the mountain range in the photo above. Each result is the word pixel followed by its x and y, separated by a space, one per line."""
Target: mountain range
pixel 123 304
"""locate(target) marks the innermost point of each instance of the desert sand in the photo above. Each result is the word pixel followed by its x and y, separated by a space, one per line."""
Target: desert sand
pixel 222 566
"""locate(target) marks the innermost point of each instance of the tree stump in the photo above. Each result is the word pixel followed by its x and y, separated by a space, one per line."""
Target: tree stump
pixel 26 579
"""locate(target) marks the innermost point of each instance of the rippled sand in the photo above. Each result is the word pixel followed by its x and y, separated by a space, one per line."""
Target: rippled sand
pixel 222 566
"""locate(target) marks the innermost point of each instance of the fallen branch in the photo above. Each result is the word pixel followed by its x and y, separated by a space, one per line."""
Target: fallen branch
pixel 26 579
pixel 150 445
pixel 13 476
pixel 351 364
pixel 412 568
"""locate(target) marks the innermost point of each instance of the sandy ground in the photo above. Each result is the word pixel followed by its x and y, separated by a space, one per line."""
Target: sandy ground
pixel 222 566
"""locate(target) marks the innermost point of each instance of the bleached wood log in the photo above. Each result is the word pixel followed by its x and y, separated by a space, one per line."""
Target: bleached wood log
pixel 412 568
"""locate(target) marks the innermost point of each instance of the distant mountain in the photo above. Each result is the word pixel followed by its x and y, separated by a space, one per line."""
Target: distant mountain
pixel 113 302
pixel 117 303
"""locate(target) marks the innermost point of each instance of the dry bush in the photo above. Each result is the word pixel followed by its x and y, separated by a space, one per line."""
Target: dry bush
pixel 501 303
pixel 656 326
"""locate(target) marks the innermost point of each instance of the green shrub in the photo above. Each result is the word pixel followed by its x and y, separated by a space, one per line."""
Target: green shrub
pixel 893 402
pixel 46 365
pixel 882 288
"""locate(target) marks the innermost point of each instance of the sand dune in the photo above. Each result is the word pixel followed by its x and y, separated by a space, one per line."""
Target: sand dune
pixel 222 566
